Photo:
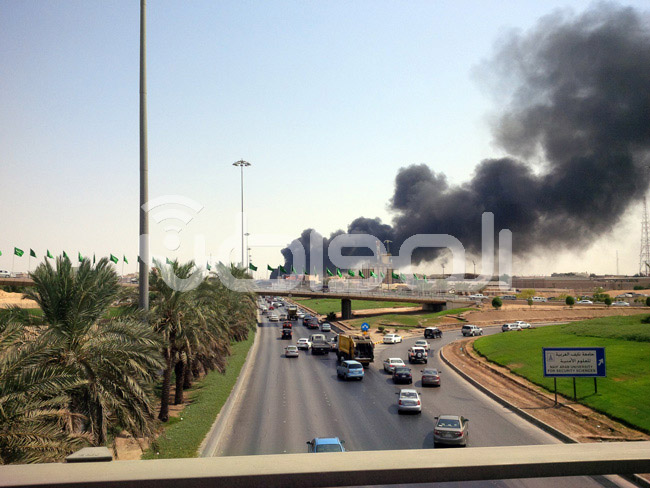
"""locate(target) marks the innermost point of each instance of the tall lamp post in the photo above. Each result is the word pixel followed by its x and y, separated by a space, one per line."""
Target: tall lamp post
pixel 143 286
pixel 241 163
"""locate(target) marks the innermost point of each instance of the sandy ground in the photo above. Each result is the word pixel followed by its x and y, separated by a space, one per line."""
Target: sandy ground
pixel 15 299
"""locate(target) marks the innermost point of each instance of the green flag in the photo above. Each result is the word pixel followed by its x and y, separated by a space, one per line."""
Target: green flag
pixel 124 258
pixel 350 272
pixel 251 267
pixel 338 272
pixel 49 254
pixel 329 273
pixel 0 253
pixel 268 266
pixel 32 253
pixel 372 273
pixel 382 275
pixel 282 270
pixel 207 265
pixel 65 255
pixel 115 260
pixel 167 260
pixel 293 270
pixel 394 275
pixel 425 278
pixel 80 257
pixel 18 252
pixel 361 274
pixel 305 272
pixel 416 277
pixel 402 277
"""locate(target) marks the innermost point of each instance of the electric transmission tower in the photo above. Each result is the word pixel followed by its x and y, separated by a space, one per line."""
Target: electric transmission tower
pixel 644 255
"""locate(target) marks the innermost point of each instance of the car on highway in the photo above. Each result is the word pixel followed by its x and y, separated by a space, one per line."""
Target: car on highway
pixel 430 377
pixel 477 296
pixel 334 343
pixel 312 323
pixel 391 363
pixel 350 369
pixel 509 297
pixel 522 324
pixel 274 317
pixel 4 274
pixel 471 330
pixel 291 352
pixel 418 355
pixel 303 343
pixel 306 319
pixel 409 401
pixel 402 374
pixel 392 338
pixel 422 343
pixel 300 315
pixel 509 327
pixel 584 302
pixel 450 429
pixel 620 303
pixel 326 327
pixel 325 444
pixel 284 316
pixel 432 333
pixel 539 299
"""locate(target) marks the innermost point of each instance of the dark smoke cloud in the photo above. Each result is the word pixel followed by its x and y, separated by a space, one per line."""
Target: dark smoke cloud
pixel 574 92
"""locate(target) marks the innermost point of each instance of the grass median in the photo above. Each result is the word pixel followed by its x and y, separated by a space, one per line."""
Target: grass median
pixel 323 306
pixel 622 395
pixel 406 321
pixel 182 438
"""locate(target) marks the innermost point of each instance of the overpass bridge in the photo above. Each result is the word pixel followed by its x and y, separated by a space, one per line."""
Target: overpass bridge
pixel 432 301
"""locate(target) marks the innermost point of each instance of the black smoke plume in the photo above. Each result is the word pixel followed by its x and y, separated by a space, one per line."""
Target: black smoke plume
pixel 575 121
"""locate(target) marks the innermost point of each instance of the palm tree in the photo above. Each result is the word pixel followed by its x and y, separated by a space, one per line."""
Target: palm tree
pixel 32 400
pixel 115 360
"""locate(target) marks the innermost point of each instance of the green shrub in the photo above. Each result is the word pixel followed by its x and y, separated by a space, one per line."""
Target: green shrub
pixel 647 302
pixel 570 301
pixel 381 329
pixel 497 303
pixel 608 300
pixel 331 316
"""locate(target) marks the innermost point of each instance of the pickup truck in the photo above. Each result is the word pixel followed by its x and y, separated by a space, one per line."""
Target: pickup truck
pixel 319 344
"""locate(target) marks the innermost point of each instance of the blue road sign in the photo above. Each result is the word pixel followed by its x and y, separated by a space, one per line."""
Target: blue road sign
pixel 574 362
pixel 365 326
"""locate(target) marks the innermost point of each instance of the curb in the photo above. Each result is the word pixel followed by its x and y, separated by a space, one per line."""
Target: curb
pixel 634 478
pixel 214 437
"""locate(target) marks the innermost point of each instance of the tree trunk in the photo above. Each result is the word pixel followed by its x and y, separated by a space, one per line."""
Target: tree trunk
pixel 100 434
pixel 166 387
pixel 179 369
pixel 188 377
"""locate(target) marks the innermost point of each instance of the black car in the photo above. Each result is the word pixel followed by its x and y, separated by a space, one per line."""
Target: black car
pixel 306 319
pixel 432 333
pixel 402 375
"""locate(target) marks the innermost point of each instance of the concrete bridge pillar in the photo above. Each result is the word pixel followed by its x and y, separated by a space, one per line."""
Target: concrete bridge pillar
pixel 346 309
pixel 433 307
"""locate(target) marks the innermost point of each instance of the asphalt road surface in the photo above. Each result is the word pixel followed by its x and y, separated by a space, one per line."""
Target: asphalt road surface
pixel 288 401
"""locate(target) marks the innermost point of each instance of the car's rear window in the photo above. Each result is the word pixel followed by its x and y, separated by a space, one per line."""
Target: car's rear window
pixel 401 370
pixel 328 448
pixel 355 366
pixel 409 394
pixel 433 372
pixel 449 424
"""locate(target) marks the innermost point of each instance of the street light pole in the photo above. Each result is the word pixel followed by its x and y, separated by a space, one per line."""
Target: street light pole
pixel 241 163
pixel 143 286
pixel 248 251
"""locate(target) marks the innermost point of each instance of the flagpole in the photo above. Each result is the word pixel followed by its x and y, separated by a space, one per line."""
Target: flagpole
pixel 13 257
pixel 29 262
pixel 143 281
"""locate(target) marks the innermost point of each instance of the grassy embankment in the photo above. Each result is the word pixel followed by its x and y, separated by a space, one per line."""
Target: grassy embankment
pixel 182 438
pixel 623 395
pixel 324 306
pixel 405 322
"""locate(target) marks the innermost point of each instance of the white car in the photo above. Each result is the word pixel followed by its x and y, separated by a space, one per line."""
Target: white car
pixel 409 401
pixel 300 315
pixel 303 344
pixel 522 324
pixel 620 304
pixel 584 302
pixel 4 274
pixel 273 317
pixel 422 343
pixel 477 296
pixel 392 338
pixel 509 327
pixel 291 352
pixel 391 363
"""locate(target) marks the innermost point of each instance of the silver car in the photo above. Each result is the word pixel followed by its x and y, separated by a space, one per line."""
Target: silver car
pixel 409 401
pixel 291 352
pixel 391 363
pixel 450 429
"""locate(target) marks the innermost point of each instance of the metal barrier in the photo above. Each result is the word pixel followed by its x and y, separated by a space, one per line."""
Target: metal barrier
pixel 343 469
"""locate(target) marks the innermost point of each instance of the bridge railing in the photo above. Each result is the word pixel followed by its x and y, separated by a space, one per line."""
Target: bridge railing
pixel 344 469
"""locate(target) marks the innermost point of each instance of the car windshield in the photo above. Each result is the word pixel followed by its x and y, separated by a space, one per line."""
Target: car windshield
pixel 449 423
pixel 328 448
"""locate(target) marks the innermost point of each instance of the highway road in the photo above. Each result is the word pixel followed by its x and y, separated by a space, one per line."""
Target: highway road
pixel 288 401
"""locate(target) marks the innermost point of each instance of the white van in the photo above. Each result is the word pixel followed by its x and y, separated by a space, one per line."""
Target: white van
pixel 539 299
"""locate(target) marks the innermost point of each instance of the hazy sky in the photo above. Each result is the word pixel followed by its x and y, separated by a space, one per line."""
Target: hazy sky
pixel 326 99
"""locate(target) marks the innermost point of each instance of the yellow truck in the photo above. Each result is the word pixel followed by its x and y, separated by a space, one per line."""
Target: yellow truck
pixel 357 347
